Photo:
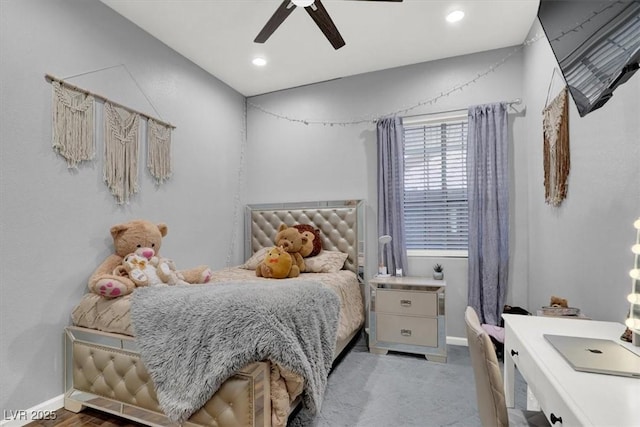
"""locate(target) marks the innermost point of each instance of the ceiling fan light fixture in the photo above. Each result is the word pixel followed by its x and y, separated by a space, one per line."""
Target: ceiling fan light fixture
pixel 302 3
pixel 455 16
pixel 259 62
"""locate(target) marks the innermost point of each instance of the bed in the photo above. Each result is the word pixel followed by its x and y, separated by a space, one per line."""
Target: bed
pixel 104 370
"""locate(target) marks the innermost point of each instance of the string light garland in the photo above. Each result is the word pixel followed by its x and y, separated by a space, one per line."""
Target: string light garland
pixel 372 118
pixel 237 198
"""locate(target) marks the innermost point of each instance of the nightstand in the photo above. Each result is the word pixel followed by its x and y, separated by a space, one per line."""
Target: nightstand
pixel 406 314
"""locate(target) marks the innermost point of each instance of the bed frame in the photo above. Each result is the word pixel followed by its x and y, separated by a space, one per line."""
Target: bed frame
pixel 104 371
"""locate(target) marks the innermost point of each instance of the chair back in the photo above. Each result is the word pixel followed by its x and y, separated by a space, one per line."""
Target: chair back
pixel 489 386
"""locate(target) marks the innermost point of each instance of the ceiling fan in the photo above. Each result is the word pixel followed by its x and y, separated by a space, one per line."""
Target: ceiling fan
pixel 316 10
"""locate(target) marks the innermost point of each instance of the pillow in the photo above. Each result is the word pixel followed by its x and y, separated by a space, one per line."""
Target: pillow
pixel 325 262
pixel 255 259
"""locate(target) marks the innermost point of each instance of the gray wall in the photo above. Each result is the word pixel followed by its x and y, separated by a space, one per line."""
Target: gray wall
pixel 581 250
pixel 291 161
pixel 55 222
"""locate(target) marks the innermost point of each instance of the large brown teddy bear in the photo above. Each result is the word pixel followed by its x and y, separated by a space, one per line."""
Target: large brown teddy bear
pixel 143 238
pixel 292 241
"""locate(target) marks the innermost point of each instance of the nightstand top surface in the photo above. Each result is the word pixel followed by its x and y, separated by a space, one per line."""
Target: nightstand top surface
pixel 406 280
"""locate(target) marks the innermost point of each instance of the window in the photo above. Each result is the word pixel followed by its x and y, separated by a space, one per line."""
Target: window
pixel 435 185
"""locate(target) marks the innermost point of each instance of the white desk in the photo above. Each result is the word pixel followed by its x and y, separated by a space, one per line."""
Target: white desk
pixel 578 398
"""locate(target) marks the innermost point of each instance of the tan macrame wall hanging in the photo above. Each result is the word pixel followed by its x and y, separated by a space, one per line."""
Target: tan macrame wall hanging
pixel 159 150
pixel 73 126
pixel 74 136
pixel 556 158
pixel 121 130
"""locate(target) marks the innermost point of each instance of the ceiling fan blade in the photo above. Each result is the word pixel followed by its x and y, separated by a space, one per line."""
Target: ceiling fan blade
pixel 326 25
pixel 274 22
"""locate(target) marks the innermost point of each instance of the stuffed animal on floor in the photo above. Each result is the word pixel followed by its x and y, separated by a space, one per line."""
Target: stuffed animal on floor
pixel 143 238
pixel 149 272
pixel 290 239
pixel 277 264
pixel 313 245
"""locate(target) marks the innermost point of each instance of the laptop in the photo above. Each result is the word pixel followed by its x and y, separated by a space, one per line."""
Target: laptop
pixel 601 356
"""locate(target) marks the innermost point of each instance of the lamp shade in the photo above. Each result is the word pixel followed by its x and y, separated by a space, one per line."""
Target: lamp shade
pixel 382 267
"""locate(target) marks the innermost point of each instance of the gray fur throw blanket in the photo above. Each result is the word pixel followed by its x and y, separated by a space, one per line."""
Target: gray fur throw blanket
pixel 192 338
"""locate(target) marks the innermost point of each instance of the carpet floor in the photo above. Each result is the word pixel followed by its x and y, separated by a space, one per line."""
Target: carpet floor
pixel 399 390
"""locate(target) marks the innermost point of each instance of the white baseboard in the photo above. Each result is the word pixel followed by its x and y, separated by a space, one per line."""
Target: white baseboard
pixel 457 341
pixel 45 411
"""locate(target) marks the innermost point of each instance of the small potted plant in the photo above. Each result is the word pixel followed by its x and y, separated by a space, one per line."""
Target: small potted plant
pixel 438 272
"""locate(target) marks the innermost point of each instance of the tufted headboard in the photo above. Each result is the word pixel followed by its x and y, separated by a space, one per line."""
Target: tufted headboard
pixel 341 225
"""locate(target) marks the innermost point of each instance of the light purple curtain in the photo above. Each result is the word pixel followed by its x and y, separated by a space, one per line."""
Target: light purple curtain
pixel 391 191
pixel 488 193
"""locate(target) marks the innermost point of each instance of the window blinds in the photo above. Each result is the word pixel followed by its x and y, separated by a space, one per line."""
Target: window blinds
pixel 435 184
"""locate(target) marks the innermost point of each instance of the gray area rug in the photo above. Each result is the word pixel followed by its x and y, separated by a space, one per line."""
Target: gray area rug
pixel 399 390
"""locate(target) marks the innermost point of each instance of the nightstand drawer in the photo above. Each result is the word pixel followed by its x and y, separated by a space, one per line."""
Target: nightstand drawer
pixel 407 330
pixel 407 303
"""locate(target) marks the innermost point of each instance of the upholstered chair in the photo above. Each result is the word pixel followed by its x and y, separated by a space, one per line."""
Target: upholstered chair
pixel 489 386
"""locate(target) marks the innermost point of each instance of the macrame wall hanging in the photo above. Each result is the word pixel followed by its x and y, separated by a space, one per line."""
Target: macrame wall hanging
pixel 158 150
pixel 73 135
pixel 556 158
pixel 121 152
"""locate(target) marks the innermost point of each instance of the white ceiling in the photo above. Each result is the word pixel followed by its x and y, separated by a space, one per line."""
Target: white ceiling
pixel 218 36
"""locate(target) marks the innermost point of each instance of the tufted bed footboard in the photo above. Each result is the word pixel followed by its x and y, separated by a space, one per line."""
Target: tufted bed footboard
pixel 105 372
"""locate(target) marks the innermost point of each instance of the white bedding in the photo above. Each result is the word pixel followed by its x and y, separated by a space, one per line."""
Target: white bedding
pixel 96 312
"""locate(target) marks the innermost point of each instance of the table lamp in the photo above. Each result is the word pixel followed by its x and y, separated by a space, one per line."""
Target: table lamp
pixel 382 268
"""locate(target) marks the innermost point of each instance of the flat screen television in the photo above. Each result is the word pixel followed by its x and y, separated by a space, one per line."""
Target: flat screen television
pixel 596 44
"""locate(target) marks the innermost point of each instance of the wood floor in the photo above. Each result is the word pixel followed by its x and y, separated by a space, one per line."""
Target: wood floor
pixel 88 417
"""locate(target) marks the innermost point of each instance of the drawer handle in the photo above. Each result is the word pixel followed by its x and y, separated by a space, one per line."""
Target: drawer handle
pixel 405 332
pixel 405 302
pixel 555 419
pixel 514 353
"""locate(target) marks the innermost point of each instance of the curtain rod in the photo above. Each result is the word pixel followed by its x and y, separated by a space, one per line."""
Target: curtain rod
pixel 51 78
pixel 516 101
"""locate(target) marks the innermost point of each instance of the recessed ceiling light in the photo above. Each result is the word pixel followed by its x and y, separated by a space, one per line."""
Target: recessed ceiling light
pixel 302 3
pixel 455 16
pixel 259 62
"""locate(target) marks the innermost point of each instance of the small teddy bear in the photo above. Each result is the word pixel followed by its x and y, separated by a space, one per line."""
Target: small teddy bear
pixel 290 239
pixel 149 272
pixel 313 245
pixel 277 264
pixel 558 302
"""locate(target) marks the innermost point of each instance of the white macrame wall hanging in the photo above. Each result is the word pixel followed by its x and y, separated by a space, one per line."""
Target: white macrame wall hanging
pixel 121 130
pixel 159 150
pixel 73 126
pixel 74 137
